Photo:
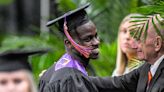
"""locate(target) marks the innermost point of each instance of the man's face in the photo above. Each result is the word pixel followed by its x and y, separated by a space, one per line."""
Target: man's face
pixel 140 53
pixel 86 35
pixel 146 50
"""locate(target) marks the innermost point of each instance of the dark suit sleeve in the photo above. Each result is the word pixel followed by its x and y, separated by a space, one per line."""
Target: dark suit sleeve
pixel 125 83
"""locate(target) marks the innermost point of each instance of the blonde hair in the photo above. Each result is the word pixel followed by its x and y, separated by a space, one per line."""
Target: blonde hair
pixel 121 60
pixel 33 87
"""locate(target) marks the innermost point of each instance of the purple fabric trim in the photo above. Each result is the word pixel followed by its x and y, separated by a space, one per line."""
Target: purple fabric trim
pixel 67 61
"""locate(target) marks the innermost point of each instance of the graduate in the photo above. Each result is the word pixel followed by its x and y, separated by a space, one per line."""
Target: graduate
pixel 69 73
pixel 16 72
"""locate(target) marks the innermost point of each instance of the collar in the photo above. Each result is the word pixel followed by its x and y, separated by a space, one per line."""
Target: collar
pixel 154 67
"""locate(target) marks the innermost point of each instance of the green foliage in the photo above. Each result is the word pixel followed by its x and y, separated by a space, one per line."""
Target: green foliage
pixel 140 25
pixel 151 7
pixel 142 22
pixel 155 26
pixel 5 2
pixel 67 5
pixel 107 15
pixel 24 43
pixel 104 66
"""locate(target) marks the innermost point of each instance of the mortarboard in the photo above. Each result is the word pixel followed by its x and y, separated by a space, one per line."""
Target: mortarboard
pixel 16 60
pixel 74 18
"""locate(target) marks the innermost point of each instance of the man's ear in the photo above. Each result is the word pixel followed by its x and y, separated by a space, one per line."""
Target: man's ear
pixel 158 43
pixel 67 43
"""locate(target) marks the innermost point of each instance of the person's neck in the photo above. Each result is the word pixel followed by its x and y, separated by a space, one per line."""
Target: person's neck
pixel 153 60
pixel 82 60
pixel 131 56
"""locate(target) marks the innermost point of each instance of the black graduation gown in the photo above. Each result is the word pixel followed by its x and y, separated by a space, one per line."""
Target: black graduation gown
pixel 45 78
pixel 69 80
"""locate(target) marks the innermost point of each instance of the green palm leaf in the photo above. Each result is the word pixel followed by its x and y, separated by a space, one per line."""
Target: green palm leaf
pixel 141 25
pixel 157 30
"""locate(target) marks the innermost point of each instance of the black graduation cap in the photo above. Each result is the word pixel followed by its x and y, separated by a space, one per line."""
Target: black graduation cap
pixel 74 18
pixel 16 59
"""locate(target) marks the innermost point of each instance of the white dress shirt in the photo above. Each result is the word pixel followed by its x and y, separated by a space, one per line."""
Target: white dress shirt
pixel 155 66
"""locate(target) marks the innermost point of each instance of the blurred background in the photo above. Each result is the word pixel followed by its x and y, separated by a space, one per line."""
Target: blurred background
pixel 22 26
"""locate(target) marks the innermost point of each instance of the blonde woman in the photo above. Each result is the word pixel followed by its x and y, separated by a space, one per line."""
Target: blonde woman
pixel 127 59
pixel 16 72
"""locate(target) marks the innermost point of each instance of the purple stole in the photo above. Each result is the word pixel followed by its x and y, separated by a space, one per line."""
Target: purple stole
pixel 68 61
